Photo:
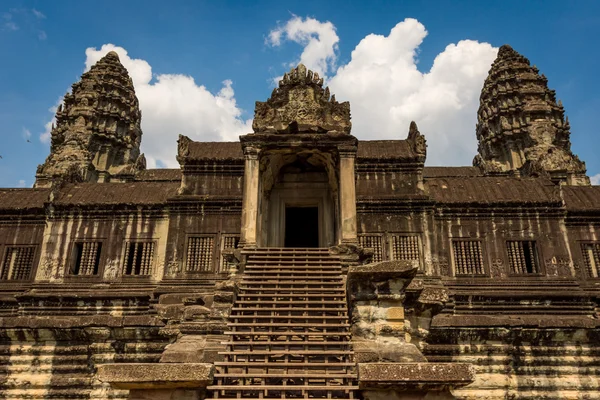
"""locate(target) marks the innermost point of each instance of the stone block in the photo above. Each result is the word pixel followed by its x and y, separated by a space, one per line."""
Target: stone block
pixel 409 375
pixel 157 376
pixel 395 314
pixel 170 311
pixel 196 313
pixel 224 297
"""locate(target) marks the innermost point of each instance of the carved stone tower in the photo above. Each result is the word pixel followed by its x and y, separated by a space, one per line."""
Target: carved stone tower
pixel 97 134
pixel 521 128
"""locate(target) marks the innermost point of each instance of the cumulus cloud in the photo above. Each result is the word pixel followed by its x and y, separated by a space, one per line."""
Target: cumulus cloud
pixel 387 90
pixel 595 179
pixel 319 39
pixel 21 183
pixel 174 104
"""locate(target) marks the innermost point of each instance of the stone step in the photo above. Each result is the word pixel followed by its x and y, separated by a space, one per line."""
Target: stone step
pixel 292 365
pixel 292 302
pixel 273 284
pixel 293 295
pixel 293 257
pixel 296 290
pixel 288 343
pixel 256 275
pixel 288 317
pixel 284 325
pixel 292 375
pixel 279 353
pixel 288 333
pixel 291 309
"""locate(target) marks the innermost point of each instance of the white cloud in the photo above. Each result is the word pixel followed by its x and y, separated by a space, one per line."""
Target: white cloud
pixel 386 90
pixel 9 24
pixel 38 14
pixel 21 183
pixel 595 179
pixel 26 134
pixel 174 104
pixel 319 40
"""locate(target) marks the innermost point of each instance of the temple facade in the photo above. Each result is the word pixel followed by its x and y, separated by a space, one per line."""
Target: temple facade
pixel 301 262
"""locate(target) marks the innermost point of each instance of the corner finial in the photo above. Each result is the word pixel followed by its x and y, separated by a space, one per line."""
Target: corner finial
pixel 416 140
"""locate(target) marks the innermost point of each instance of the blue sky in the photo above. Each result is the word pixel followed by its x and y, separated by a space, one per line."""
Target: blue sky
pixel 210 62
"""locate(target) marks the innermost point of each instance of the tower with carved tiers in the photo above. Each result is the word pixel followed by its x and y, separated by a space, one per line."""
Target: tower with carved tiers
pixel 521 128
pixel 97 134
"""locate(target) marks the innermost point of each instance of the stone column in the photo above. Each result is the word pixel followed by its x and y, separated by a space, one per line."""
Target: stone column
pixel 347 195
pixel 250 198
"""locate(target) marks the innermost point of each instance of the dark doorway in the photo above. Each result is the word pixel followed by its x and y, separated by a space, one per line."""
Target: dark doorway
pixel 302 227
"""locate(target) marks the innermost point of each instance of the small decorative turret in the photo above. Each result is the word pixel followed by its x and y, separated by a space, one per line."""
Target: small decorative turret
pixel 301 105
pixel 417 141
pixel 520 126
pixel 97 134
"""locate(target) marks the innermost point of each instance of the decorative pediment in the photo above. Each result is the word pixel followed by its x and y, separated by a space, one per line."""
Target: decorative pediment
pixel 301 105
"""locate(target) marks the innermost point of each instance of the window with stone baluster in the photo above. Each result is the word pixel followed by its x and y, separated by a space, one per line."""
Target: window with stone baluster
pixel 468 257
pixel 86 258
pixel 522 257
pixel 228 242
pixel 591 258
pixel 138 259
pixel 375 242
pixel 405 247
pixel 17 263
pixel 200 254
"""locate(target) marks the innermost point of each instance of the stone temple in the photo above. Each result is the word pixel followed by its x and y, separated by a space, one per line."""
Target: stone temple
pixel 301 262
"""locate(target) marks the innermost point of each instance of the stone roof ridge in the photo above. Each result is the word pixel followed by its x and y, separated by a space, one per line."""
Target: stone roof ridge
pixel 300 104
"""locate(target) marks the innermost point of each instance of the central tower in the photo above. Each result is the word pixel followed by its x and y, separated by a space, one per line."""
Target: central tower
pixel 299 184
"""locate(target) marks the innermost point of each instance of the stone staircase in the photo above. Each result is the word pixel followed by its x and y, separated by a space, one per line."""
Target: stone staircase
pixel 289 330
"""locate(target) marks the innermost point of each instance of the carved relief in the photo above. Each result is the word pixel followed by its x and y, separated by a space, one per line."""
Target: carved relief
pixel 49 269
pixel 497 270
pixel 111 270
pixel 301 105
pixel 551 267
pixel 173 267
pixel 441 265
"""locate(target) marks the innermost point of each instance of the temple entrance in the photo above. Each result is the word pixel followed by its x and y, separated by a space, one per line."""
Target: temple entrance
pixel 301 227
pixel 298 209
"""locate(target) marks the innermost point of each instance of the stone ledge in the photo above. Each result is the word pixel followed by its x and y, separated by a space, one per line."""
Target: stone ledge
pixel 411 375
pixel 156 376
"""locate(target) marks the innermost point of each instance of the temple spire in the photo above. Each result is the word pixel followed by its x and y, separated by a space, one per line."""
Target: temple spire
pixel 97 134
pixel 521 128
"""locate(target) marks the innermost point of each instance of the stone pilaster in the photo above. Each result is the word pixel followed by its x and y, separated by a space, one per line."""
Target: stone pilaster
pixel 348 227
pixel 250 198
